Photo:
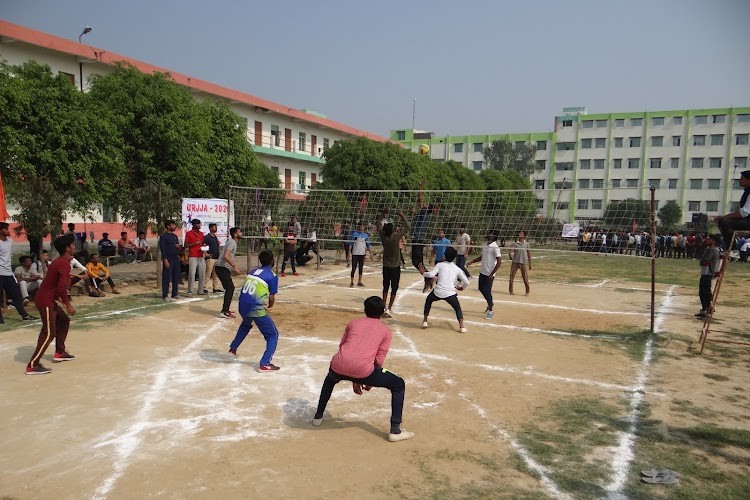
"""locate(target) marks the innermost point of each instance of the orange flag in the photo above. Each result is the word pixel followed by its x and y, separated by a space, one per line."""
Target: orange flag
pixel 3 210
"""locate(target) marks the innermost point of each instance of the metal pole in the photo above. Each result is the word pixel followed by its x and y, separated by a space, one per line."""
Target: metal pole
pixel 413 112
pixel 653 255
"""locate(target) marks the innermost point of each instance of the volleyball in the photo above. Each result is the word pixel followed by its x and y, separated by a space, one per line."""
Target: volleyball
pixel 424 149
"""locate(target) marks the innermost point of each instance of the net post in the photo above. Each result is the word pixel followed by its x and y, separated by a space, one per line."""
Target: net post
pixel 653 255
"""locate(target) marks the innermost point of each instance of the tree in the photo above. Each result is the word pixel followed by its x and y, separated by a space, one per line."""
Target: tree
pixel 623 214
pixel 503 155
pixel 514 207
pixel 58 149
pixel 670 214
pixel 173 146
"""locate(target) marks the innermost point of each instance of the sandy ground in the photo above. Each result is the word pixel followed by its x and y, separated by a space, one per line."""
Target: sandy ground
pixel 153 406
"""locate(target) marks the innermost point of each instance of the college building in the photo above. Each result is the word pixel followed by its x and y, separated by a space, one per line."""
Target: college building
pixel 692 156
pixel 289 141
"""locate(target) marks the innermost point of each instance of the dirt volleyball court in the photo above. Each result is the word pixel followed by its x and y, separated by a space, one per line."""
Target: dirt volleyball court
pixel 153 407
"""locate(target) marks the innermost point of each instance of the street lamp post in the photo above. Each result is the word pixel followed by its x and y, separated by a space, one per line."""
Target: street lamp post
pixel 86 30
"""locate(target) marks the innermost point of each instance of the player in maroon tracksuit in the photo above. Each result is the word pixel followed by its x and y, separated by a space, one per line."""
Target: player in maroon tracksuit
pixel 55 321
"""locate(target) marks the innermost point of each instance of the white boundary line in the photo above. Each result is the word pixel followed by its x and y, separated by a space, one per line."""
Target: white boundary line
pixel 126 443
pixel 624 452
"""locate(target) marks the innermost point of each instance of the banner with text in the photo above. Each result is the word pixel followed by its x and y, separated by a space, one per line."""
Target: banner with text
pixel 208 210
pixel 570 230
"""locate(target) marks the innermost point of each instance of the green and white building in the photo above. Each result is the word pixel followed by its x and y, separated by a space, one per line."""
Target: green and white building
pixel 690 156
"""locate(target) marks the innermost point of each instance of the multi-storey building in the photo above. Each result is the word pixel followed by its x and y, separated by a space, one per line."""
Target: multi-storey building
pixel 690 156
pixel 289 141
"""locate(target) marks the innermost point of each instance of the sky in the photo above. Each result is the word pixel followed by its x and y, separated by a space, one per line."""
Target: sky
pixel 473 66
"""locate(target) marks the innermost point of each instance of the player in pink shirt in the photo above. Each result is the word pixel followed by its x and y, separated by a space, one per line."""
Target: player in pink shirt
pixel 360 359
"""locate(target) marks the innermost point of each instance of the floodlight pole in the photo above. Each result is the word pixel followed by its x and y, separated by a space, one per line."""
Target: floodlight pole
pixel 653 255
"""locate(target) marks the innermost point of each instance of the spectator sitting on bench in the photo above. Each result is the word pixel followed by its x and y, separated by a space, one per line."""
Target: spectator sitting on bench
pixel 79 273
pixel 142 245
pixel 28 279
pixel 98 274
pixel 126 247
pixel 106 247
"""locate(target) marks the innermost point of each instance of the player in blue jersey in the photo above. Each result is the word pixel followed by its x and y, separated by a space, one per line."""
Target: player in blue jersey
pixel 256 298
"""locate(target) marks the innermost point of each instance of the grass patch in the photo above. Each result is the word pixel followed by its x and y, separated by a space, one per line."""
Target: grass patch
pixel 716 376
pixel 685 406
pixel 567 436
pixel 633 343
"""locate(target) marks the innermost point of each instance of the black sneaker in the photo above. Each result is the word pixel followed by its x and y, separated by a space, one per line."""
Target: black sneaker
pixel 37 370
pixel 59 357
pixel 218 290
pixel 28 317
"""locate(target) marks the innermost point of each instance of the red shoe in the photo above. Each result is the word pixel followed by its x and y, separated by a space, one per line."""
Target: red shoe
pixel 296 274
pixel 62 356
pixel 233 353
pixel 283 275
pixel 269 367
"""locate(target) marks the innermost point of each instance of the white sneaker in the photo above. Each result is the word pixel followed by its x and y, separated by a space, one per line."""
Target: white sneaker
pixel 462 329
pixel 387 313
pixel 317 421
pixel 403 436
pixel 424 324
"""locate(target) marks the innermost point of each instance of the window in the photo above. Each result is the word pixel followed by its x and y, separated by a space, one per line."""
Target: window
pixel 539 184
pixel 615 183
pixel 636 122
pixel 562 185
pixel 564 166
pixel 634 162
pixel 720 118
pixel 620 122
pixel 631 183
pixel 675 140
pixel 541 145
pixel 562 205
pixel 302 180
pixel 585 143
pixel 656 183
pixel 539 203
pixel 600 142
pixel 714 163
pixel 618 142
pixel 587 123
pixel 585 164
pixel 717 139
pixel 694 206
pixel 302 144
pixel 566 146
pixel 542 164
pixel 654 163
pixel 674 163
pixel 634 142
pixel 740 139
pixel 478 147
pixel 617 163
pixel 596 204
pixel 520 144
pixel 677 120
pixel 743 118
pixel 401 135
pixel 599 164
pixel 597 183
pixel 699 140
pixel 583 204
pixel 567 123
pixel 476 165
pixel 583 183
pixel 326 143
pixel 712 206
pixel 458 147
pixel 696 163
pixel 657 120
pixel 275 170
pixel 714 183
pixel 275 135
pixel 70 76
pixel 656 141
pixel 740 162
pixel 736 185
pixel 701 120
pixel 696 183
pixel 601 123
pixel 672 184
